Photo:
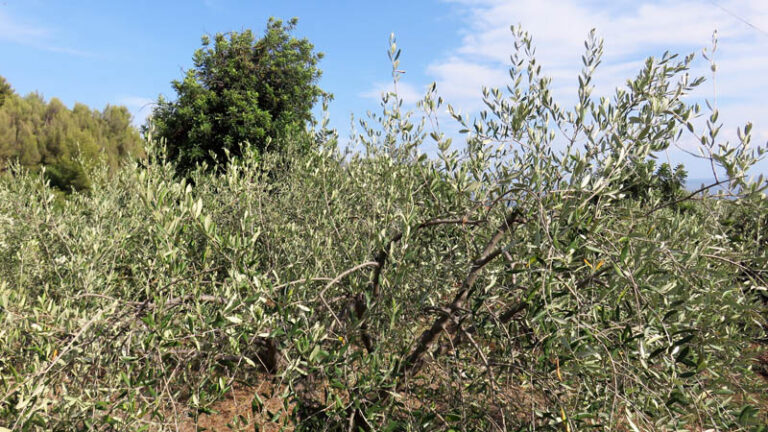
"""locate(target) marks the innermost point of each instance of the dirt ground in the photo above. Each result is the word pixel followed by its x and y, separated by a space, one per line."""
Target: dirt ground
pixel 235 413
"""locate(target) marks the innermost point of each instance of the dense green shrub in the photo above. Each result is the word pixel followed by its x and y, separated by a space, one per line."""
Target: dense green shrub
pixel 648 180
pixel 240 91
pixel 68 175
pixel 508 285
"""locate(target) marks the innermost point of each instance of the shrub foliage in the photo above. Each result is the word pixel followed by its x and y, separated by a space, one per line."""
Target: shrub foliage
pixel 240 91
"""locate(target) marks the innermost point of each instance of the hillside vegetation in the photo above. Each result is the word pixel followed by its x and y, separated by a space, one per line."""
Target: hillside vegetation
pixel 36 134
pixel 535 277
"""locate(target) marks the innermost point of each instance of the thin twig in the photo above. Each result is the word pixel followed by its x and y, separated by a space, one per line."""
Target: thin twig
pixel 56 358
pixel 337 279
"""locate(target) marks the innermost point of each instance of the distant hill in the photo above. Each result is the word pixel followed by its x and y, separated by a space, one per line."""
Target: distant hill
pixel 39 134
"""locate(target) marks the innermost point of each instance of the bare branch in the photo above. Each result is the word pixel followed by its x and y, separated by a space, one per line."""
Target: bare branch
pixel 491 251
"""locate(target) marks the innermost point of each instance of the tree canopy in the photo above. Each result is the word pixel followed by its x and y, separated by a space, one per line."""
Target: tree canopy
pixel 37 134
pixel 240 90
pixel 5 90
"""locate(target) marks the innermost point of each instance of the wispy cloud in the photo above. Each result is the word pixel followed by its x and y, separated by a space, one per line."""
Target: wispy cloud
pixel 409 93
pixel 213 4
pixel 461 78
pixel 15 30
pixel 140 107
pixel 632 31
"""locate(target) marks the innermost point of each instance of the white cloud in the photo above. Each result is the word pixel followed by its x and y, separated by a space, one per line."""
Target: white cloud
pixel 13 29
pixel 212 3
pixel 408 92
pixel 140 107
pixel 461 79
pixel 633 30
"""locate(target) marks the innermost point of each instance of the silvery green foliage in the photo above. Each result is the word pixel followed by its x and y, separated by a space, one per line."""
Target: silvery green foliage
pixel 506 285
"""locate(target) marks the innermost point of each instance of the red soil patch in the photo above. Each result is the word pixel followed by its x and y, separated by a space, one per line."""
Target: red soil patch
pixel 235 413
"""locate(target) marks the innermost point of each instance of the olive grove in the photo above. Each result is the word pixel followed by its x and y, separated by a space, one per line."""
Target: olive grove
pixel 512 282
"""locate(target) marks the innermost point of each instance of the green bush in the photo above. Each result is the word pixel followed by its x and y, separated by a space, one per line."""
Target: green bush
pixel 68 176
pixel 510 284
pixel 240 91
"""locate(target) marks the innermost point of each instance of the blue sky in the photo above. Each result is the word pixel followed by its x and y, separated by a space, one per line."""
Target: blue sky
pixel 127 52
